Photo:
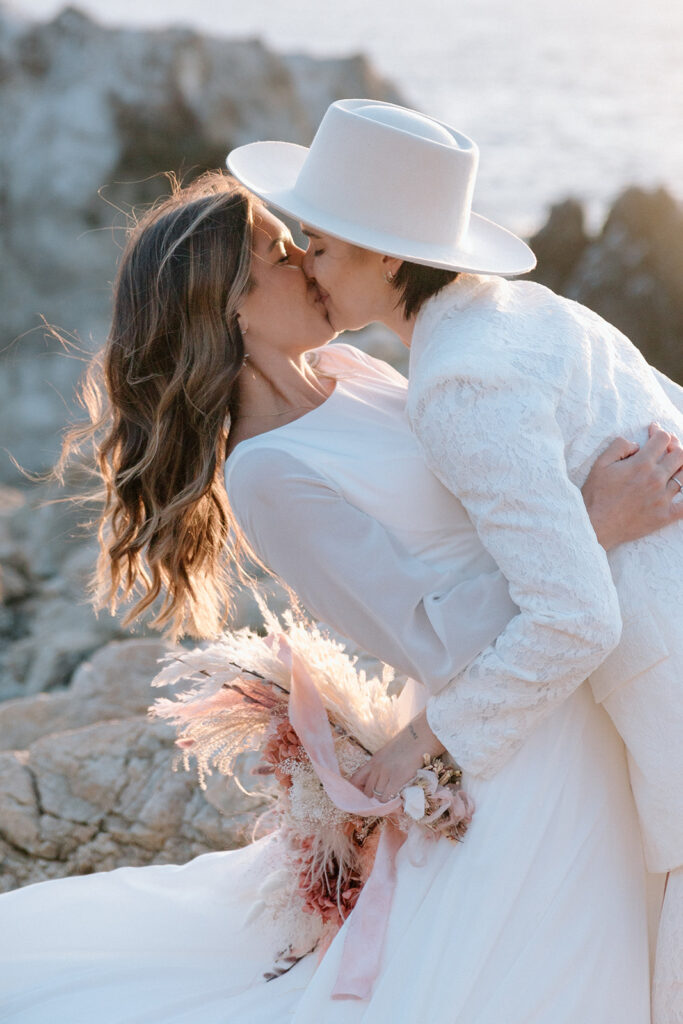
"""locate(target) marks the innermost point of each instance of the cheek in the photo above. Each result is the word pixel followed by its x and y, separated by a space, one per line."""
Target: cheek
pixel 323 272
pixel 344 284
pixel 358 289
pixel 331 272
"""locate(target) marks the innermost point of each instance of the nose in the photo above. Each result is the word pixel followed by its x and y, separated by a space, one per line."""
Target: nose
pixel 307 262
pixel 296 258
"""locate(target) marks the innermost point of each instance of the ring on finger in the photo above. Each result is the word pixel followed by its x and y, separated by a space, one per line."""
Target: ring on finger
pixel 676 480
pixel 377 792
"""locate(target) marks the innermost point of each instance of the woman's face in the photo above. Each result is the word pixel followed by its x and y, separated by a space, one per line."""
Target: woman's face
pixel 352 281
pixel 283 309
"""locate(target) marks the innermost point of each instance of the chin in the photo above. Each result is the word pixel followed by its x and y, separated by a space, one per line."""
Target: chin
pixel 322 340
pixel 329 332
pixel 338 325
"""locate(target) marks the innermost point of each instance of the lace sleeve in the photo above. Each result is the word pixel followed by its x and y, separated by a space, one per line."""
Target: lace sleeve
pixel 494 441
pixel 672 390
pixel 354 576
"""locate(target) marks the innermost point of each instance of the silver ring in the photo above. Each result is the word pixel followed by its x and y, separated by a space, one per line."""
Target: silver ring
pixel 377 792
pixel 680 485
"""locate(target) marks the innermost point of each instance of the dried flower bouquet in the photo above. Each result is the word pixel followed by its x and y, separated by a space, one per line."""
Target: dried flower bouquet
pixel 248 692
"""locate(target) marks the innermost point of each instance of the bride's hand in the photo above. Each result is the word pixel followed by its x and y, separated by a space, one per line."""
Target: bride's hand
pixel 631 492
pixel 395 765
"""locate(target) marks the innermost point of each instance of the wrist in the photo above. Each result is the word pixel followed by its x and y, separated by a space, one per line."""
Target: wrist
pixel 606 537
pixel 603 526
pixel 423 737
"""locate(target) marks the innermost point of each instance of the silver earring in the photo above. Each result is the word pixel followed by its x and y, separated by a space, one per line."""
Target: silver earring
pixel 389 276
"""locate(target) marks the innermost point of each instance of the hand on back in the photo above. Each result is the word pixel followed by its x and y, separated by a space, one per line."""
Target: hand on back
pixel 633 491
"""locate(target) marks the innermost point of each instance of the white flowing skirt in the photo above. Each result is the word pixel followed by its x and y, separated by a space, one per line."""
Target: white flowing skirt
pixel 538 917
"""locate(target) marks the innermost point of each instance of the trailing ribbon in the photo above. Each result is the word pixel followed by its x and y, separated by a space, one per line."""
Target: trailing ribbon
pixel 368 923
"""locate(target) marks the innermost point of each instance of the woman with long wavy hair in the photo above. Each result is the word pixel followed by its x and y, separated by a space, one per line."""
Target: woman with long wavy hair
pixel 222 426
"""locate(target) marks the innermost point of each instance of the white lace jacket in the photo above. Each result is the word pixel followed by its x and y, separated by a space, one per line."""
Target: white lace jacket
pixel 513 392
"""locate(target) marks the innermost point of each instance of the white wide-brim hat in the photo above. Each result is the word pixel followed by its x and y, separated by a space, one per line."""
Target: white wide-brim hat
pixel 388 179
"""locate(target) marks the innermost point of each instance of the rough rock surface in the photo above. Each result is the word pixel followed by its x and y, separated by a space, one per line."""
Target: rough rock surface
pixel 630 272
pixel 47 626
pixel 89 117
pixel 86 780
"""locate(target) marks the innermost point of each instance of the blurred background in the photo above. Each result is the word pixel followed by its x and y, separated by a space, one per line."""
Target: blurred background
pixel 577 110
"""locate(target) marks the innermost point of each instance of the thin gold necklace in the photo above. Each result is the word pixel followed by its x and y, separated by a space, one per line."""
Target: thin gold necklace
pixel 279 415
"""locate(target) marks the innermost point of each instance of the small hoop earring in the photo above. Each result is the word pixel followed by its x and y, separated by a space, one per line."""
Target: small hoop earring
pixel 389 276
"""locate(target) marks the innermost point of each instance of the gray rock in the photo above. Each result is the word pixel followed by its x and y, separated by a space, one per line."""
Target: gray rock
pixel 630 272
pixel 560 243
pixel 47 625
pixel 86 780
pixel 114 683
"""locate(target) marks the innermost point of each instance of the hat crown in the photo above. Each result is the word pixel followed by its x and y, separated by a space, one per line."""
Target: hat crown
pixel 407 120
pixel 393 169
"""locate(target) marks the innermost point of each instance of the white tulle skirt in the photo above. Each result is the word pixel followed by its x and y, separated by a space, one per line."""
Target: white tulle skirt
pixel 538 917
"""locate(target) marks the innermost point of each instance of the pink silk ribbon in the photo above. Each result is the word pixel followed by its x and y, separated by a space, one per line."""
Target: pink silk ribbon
pixel 367 924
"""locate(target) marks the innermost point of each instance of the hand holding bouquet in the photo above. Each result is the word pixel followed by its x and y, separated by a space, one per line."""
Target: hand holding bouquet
pixel 297 697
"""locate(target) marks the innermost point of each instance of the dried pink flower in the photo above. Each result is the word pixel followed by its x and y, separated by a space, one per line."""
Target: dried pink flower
pixel 282 746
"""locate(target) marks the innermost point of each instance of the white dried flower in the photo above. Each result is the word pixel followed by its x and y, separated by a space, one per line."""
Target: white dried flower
pixel 428 780
pixel 414 801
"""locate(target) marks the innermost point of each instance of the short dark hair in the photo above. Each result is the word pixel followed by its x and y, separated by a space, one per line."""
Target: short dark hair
pixel 417 284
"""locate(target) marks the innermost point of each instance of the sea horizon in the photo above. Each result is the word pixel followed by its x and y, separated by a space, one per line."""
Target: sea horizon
pixel 579 102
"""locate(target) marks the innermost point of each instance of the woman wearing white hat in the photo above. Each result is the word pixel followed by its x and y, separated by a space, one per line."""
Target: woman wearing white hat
pixel 513 391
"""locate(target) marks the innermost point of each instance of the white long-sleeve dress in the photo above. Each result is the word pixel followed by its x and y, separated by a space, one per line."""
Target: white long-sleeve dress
pixel 538 917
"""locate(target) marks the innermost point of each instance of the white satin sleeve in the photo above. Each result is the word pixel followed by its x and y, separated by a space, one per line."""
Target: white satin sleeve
pixel 489 432
pixel 353 575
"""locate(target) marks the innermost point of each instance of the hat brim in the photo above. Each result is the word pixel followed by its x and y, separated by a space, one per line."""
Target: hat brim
pixel 270 170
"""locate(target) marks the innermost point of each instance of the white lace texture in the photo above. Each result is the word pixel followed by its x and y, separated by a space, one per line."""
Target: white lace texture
pixel 500 450
pixel 513 393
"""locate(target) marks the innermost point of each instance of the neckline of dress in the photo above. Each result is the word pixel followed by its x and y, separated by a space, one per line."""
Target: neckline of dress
pixel 285 426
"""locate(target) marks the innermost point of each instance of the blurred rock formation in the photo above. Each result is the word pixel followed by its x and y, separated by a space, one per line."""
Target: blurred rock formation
pixel 90 117
pixel 630 272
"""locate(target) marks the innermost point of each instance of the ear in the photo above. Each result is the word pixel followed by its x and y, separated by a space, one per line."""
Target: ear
pixel 391 266
pixel 243 322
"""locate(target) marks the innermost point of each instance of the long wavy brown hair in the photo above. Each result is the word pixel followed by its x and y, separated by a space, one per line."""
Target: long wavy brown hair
pixel 159 397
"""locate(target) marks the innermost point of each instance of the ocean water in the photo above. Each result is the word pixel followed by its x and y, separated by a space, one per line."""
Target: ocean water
pixel 577 98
